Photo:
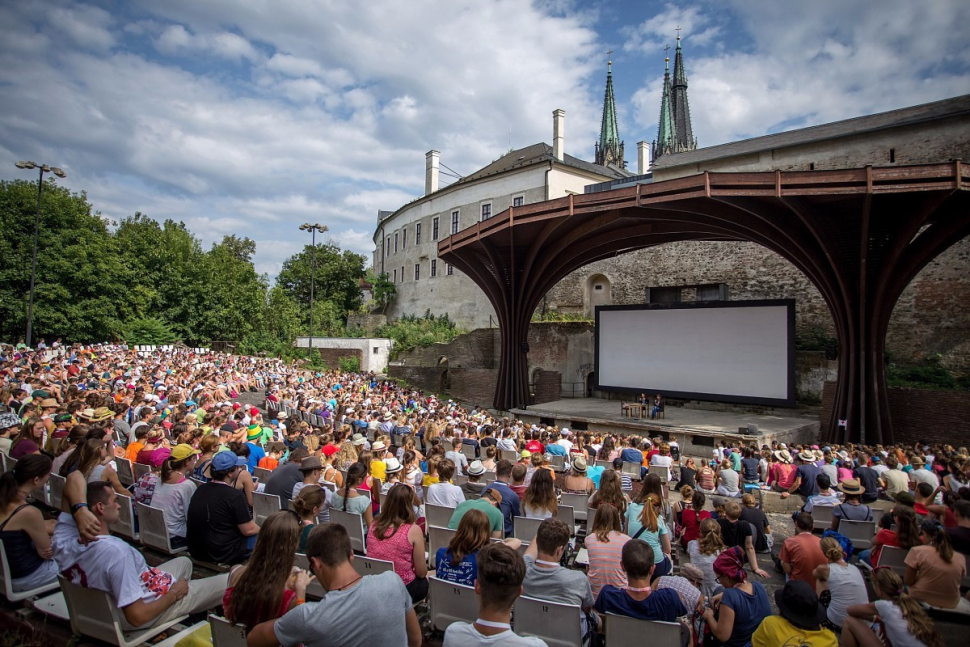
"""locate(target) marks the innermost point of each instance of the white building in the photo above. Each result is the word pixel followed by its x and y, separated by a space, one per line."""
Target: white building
pixel 406 240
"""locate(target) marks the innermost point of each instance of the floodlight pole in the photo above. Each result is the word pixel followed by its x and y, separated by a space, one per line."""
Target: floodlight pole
pixel 313 229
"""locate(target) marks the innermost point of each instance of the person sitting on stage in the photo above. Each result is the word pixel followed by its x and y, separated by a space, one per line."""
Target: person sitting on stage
pixel 658 406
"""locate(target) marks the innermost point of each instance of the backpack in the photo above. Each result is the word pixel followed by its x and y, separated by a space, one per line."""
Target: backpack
pixel 844 541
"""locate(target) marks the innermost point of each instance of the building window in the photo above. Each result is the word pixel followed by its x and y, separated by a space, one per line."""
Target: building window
pixel 387 249
pixel 417 234
pixel 434 229
pixel 451 269
pixel 395 276
pixel 377 350
pixel 486 211
pixel 454 222
pixel 395 242
pixel 404 238
pixel 434 267
pixel 417 271
pixel 518 201
pixel 402 274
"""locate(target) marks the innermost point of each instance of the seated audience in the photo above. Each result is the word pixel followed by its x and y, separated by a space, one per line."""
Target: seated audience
pixel 540 501
pixel 499 583
pixel 444 492
pixel 357 610
pixel 650 527
pixel 802 552
pixel 604 543
pixel 704 550
pixel 728 481
pixel 473 487
pixel 934 571
pixel 268 585
pixel 144 488
pixel 735 532
pixel 610 491
pixel 743 606
pixel 489 504
pixel 146 596
pixel 902 621
pixel 348 499
pixel 960 534
pixel 285 476
pixel 457 562
pixel 24 533
pixel 799 620
pixel 754 515
pixel 853 509
pixel 394 536
pixel 511 504
pixel 308 506
pixel 691 516
pixel 545 579
pixel 577 481
pixel 897 528
pixel 174 491
pixel 844 583
pixel 867 477
pixel 824 496
pixel 219 524
pixel 637 599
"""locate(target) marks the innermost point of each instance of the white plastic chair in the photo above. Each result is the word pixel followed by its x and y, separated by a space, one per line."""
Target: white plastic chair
pixel 140 470
pixel 153 529
pixel 370 566
pixel 16 596
pixel 859 532
pixel 354 524
pixel 313 589
pixel 438 515
pixel 631 469
pixel 579 503
pixel 451 603
pixel 558 462
pixel 438 537
pixel 468 451
pixel 509 455
pixel 225 633
pixel 660 470
pixel 894 557
pixel 556 624
pixel 567 515
pixel 126 521
pixel 525 528
pixel 57 484
pixel 622 631
pixel 262 474
pixel 822 516
pixel 125 473
pixel 606 465
pixel 96 614
pixel 264 505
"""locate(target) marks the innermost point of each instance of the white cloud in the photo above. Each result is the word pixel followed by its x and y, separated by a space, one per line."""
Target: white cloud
pixel 86 26
pixel 176 40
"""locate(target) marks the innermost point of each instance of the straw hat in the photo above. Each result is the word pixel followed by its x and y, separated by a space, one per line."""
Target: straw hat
pixel 579 464
pixel 393 465
pixel 476 468
pixel 784 456
pixel 851 486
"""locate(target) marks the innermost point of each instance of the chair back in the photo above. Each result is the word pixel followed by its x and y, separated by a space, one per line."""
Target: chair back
pixel 354 524
pixel 468 451
pixel 57 490
pixel 460 479
pixel 509 455
pixel 631 469
pixel 262 474
pixel 489 476
pixel 140 470
pixel 313 589
pixel 556 624
pixel 622 631
pixel 606 465
pixel 451 603
pixel 6 584
pixel 859 532
pixel 525 528
pixel 125 473
pixel 153 529
pixel 438 537
pixel 822 516
pixel 370 566
pixel 578 502
pixel 3 462
pixel 126 520
pixel 43 494
pixel 567 515
pixel 225 633
pixel 438 515
pixel 448 445
pixel 264 505
pixel 558 462
pixel 894 557
pixel 660 470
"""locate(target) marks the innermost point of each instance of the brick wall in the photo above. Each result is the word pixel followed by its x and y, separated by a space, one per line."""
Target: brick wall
pixel 332 356
pixel 920 414
pixel 548 387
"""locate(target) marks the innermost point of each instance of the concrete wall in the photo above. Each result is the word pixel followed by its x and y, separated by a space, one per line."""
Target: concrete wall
pixel 369 323
pixel 374 353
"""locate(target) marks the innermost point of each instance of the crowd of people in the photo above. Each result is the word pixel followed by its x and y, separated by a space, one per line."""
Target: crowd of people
pixel 386 452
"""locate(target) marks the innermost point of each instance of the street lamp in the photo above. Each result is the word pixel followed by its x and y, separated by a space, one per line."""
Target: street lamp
pixel 44 168
pixel 313 229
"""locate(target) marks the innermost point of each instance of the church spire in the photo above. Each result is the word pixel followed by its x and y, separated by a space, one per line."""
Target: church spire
pixel 674 133
pixel 609 148
pixel 665 129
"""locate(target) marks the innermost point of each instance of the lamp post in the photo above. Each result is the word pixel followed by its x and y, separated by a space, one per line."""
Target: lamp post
pixel 313 229
pixel 44 168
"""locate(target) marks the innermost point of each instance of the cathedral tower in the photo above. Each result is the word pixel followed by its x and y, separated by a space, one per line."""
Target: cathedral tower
pixel 674 132
pixel 609 149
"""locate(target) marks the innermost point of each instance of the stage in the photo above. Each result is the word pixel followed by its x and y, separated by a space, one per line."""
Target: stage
pixel 697 430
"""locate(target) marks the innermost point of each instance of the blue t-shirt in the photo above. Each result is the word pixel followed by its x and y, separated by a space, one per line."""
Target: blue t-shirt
pixel 629 455
pixel 256 454
pixel 749 611
pixel 555 449
pixel 808 472
pixel 663 604
pixel 465 572
pixel 510 506
pixel 595 472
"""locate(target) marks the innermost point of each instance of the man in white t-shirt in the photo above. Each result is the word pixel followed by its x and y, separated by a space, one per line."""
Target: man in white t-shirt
pixel 500 574
pixel 564 440
pixel 146 596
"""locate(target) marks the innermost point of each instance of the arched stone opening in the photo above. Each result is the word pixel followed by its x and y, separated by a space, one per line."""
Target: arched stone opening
pixel 598 291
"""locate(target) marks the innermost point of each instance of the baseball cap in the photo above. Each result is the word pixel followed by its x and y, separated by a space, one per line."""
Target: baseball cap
pixel 183 451
pixel 226 461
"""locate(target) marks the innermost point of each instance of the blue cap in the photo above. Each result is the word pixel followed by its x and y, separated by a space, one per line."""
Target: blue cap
pixel 226 461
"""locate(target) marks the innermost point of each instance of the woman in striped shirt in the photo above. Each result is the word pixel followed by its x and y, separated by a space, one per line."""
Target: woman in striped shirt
pixel 604 543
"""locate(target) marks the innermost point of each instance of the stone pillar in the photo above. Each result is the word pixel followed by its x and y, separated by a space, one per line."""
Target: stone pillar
pixel 558 133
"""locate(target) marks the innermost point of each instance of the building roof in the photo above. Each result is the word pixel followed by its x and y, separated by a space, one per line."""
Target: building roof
pixel 537 154
pixel 947 108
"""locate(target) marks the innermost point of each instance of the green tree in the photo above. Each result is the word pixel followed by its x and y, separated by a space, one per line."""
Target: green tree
pixel 337 282
pixel 233 295
pixel 384 289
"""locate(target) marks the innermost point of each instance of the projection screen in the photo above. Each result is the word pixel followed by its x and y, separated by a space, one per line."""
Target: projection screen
pixel 725 351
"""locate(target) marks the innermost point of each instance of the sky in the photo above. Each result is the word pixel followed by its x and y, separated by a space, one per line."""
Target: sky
pixel 250 117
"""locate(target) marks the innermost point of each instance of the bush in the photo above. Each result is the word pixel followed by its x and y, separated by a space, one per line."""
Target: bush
pixel 928 374
pixel 817 339
pixel 149 330
pixel 350 364
pixel 410 331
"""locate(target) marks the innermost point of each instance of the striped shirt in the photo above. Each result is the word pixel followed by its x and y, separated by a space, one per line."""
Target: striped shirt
pixel 604 561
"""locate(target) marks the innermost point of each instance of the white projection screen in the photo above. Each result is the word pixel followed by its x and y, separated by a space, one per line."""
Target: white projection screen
pixel 723 351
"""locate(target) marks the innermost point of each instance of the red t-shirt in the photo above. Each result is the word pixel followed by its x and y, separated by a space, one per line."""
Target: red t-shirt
pixel 804 552
pixel 884 537
pixel 535 447
pixel 692 523
pixel 268 463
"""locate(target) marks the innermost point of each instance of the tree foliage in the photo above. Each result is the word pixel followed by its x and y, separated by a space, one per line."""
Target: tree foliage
pixel 411 331
pixel 336 289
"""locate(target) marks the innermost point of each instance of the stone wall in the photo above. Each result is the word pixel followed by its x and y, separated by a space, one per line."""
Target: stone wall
pixel 548 387
pixel 921 415
pixel 332 356
pixel 369 323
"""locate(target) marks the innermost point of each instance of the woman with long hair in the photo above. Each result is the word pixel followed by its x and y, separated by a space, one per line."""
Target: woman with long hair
pixel 244 480
pixel 174 491
pixel 577 480
pixel 653 485
pixel 610 491
pixel 744 605
pixel 413 475
pixel 348 499
pixel 604 543
pixel 650 526
pixel 29 440
pixel 23 531
pixel 704 550
pixel 606 451
pixel 91 459
pixel 540 500
pixel 457 562
pixel 396 537
pixel 842 584
pixel 346 457
pixel 268 586
pixel 64 446
pixel 899 529
pixel 900 619
pixel 208 447
pixel 692 513
pixel 308 504
pixel 934 571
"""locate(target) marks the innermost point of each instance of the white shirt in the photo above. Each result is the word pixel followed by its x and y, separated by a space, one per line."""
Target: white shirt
pixel 445 494
pixel 565 443
pixel 462 634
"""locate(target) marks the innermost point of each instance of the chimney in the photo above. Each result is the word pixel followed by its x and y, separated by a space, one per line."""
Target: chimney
pixel 558 132
pixel 431 172
pixel 643 157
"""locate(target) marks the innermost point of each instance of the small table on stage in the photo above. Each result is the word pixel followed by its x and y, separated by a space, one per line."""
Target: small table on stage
pixel 636 409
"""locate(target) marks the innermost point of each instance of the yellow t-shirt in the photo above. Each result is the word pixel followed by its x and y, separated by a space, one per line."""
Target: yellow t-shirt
pixel 429 480
pixel 378 469
pixel 775 631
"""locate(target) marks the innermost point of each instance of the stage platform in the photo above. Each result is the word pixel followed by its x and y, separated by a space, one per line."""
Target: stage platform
pixel 697 430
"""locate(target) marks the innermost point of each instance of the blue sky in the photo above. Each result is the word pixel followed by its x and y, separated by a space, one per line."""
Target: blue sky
pixel 253 116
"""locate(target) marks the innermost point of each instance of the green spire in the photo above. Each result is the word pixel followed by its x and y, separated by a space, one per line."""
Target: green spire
pixel 609 149
pixel 665 131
